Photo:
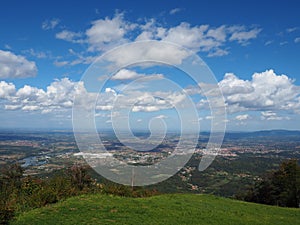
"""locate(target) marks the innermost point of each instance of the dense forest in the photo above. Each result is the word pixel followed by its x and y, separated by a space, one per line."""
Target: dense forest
pixel 280 187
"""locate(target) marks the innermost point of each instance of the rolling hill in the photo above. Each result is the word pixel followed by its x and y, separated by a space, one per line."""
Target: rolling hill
pixel 162 209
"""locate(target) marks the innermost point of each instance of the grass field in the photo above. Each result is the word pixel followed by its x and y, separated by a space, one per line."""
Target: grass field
pixel 163 209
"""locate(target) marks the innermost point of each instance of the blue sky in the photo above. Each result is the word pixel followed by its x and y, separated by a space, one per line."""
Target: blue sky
pixel 252 47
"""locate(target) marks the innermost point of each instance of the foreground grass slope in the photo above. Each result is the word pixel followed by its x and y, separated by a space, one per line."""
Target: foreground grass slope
pixel 163 209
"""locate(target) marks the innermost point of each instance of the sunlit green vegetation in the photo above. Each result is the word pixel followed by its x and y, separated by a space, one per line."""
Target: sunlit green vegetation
pixel 163 209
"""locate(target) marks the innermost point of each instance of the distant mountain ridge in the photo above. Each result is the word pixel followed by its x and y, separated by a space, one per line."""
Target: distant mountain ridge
pixel 276 132
pixel 264 133
pixel 15 134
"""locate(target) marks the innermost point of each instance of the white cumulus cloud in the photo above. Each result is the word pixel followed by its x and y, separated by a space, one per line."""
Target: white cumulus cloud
pixel 265 91
pixel 108 32
pixel 269 115
pixel 16 66
pixel 6 89
pixel 243 36
pixel 125 74
pixel 58 95
pixel 242 117
pixel 70 36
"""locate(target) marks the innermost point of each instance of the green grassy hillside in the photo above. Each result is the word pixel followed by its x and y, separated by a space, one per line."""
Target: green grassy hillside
pixel 163 209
